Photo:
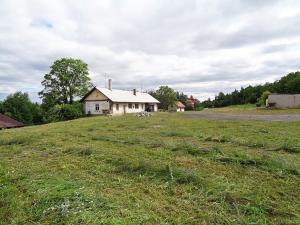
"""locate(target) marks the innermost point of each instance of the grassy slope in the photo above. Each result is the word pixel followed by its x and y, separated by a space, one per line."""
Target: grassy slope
pixel 252 109
pixel 159 170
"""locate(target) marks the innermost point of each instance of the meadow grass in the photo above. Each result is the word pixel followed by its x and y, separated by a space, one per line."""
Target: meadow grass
pixel 165 169
pixel 252 109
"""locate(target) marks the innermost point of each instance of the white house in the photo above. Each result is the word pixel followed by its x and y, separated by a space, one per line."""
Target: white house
pixel 283 101
pixel 117 102
pixel 177 107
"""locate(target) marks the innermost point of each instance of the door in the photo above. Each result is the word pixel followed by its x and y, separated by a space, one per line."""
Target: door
pixel 152 108
pixel 89 108
pixel 124 109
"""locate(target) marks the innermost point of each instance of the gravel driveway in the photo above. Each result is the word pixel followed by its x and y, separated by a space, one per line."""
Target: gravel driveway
pixel 226 116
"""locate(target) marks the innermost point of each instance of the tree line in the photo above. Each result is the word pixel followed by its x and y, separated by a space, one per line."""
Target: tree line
pixel 68 81
pixel 289 84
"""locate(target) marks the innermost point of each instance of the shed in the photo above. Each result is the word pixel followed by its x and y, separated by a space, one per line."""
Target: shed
pixel 177 107
pixel 7 122
pixel 283 101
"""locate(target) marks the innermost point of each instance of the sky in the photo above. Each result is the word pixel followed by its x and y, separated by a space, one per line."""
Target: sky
pixel 195 46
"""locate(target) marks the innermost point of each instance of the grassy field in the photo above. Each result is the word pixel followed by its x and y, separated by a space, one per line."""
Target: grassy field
pixel 164 169
pixel 252 109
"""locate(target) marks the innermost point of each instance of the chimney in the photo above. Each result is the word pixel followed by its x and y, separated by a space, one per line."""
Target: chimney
pixel 134 91
pixel 109 84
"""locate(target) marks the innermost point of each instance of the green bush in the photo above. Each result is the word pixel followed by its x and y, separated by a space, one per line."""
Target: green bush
pixel 262 100
pixel 65 112
pixel 189 107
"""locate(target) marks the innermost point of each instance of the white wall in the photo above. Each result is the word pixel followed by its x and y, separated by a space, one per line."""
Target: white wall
pixel 90 106
pixel 180 109
pixel 104 105
pixel 285 101
pixel 141 108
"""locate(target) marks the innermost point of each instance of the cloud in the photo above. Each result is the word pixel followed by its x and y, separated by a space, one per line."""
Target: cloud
pixel 42 23
pixel 200 47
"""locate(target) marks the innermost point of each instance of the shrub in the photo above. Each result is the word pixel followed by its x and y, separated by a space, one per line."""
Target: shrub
pixel 262 100
pixel 65 112
pixel 189 108
pixel 79 151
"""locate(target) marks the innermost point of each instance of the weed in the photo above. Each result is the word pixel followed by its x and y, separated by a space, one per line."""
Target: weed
pixel 146 168
pixel 80 151
pixel 14 141
pixel 288 147
pixel 173 133
pixel 262 163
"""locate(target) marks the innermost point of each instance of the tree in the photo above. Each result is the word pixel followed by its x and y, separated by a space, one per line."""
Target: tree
pixel 65 112
pixel 262 100
pixel 19 107
pixel 293 85
pixel 181 97
pixel 166 96
pixel 67 79
pixel 1 107
pixel 289 84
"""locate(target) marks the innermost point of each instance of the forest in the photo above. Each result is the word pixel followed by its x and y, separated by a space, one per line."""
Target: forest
pixel 289 84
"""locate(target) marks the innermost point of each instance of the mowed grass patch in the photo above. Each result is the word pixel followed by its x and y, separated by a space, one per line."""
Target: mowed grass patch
pixel 163 169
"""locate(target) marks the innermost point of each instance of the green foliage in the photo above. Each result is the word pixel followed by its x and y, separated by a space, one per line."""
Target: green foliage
pixel 188 107
pixel 166 96
pixel 65 112
pixel 67 79
pixel 263 98
pixel 1 107
pixel 289 84
pixel 181 97
pixel 19 107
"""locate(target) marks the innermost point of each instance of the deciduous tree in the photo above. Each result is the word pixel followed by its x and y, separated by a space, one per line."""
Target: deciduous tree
pixel 166 96
pixel 67 79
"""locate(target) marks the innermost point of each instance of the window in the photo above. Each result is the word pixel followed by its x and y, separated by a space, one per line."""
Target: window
pixel 97 107
pixel 136 106
pixel 117 107
pixel 130 106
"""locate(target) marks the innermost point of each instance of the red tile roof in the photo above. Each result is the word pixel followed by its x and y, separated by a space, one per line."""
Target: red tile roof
pixel 180 105
pixel 7 122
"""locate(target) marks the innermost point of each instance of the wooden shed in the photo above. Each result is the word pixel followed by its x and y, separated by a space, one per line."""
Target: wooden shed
pixel 7 122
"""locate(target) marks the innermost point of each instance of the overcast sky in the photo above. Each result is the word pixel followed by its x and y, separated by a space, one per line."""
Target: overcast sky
pixel 199 47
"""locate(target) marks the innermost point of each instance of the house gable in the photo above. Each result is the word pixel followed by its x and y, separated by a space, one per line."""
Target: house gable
pixel 95 95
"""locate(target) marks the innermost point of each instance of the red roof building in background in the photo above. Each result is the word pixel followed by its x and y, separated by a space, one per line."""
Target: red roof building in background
pixel 177 107
pixel 192 101
pixel 7 122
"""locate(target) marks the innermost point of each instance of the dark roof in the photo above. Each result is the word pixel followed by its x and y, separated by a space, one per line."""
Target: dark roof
pixel 7 122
